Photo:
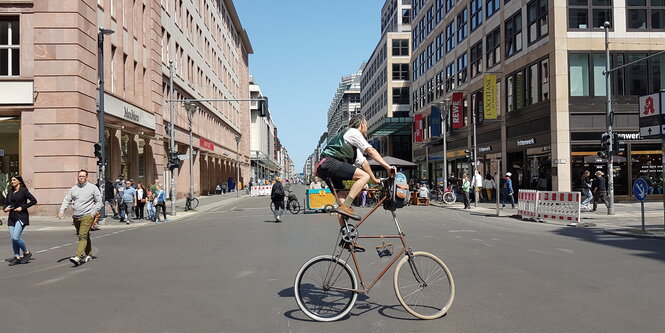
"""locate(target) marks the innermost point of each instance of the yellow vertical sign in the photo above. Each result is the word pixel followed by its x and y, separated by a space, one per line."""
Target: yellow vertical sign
pixel 489 96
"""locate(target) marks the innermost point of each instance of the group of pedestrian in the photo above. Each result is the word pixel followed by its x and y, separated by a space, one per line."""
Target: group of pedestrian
pixel 130 200
pixel 594 190
pixel 477 183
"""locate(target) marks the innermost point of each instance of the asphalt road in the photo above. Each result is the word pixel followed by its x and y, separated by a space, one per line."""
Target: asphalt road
pixel 231 269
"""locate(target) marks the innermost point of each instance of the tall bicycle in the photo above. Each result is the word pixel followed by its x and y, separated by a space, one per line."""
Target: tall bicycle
pixel 326 288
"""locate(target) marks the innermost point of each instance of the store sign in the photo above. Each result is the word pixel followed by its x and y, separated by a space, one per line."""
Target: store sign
pixel 418 127
pixel 2 152
pixel 207 144
pixel 123 110
pixel 489 96
pixel 484 149
pixel 651 115
pixel 629 136
pixel 526 142
pixel 456 110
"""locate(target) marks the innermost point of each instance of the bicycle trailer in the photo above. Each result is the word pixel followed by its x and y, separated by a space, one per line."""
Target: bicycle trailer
pixel 319 199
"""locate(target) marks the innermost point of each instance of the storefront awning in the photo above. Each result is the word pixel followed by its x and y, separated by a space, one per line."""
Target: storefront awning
pixel 392 126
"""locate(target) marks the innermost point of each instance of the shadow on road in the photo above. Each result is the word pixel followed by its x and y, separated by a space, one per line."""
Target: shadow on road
pixel 651 248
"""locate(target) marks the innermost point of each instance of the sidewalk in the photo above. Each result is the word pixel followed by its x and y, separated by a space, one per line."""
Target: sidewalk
pixel 206 203
pixel 626 221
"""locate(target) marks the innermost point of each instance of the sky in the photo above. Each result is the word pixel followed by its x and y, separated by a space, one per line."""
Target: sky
pixel 302 48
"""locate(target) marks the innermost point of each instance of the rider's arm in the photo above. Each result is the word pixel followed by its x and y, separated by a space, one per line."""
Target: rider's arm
pixel 371 152
pixel 365 166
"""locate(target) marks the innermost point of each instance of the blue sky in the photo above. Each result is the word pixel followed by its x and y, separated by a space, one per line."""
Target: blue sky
pixel 301 50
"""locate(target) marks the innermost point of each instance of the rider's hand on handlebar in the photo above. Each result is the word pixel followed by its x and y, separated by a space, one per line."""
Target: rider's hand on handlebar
pixel 392 171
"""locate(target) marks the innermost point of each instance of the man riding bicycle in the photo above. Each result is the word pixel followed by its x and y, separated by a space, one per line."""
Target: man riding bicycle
pixel 343 159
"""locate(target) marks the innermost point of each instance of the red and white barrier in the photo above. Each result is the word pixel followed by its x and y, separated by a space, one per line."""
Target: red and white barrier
pixel 527 203
pixel 560 206
pixel 262 190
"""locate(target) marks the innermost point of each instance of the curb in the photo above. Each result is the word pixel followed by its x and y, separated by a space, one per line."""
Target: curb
pixel 627 233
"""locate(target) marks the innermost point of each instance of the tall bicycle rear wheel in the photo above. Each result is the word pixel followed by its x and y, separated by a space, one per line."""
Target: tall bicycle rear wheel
pixel 294 206
pixel 323 288
pixel 449 197
pixel 424 285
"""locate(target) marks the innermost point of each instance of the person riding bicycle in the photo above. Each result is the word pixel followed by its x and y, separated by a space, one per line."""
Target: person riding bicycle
pixel 343 159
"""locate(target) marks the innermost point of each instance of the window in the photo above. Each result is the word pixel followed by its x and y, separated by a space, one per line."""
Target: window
pixel 430 55
pixel 414 37
pixel 400 47
pixel 513 31
pixel 476 14
pixel 414 65
pixel 439 47
pixel 493 47
pixel 450 36
pixel 537 18
pixel 449 5
pixel 461 25
pixel 636 73
pixel 439 11
pixel 400 71
pixel 462 69
pixel 430 19
pixel 580 11
pixel 477 106
pixel 10 41
pixel 578 67
pixel 450 77
pixel 477 59
pixel 599 62
pixel 545 80
pixel 645 14
pixel 492 7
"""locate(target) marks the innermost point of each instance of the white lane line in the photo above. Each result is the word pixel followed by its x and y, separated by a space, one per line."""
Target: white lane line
pixel 461 230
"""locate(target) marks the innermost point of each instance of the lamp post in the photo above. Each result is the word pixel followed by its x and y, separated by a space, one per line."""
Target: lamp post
pixel 610 116
pixel 191 108
pixel 102 136
pixel 172 137
pixel 237 163
pixel 445 107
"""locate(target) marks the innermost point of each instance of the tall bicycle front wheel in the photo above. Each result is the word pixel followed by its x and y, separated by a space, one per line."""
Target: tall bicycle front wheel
pixel 449 197
pixel 424 285
pixel 323 288
pixel 294 206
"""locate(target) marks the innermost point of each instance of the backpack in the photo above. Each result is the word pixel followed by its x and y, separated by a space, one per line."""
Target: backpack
pixel 398 192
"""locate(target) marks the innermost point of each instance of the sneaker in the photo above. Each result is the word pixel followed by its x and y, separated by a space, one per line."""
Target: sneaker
pixel 127 222
pixel 357 247
pixel 14 261
pixel 26 257
pixel 165 220
pixel 75 260
pixel 86 259
pixel 348 212
pixel 277 219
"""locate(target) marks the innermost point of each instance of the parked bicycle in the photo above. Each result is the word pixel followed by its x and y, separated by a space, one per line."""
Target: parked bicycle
pixel 191 203
pixel 449 196
pixel 326 288
pixel 291 203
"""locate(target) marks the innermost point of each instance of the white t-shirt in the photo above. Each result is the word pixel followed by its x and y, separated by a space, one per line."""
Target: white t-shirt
pixel 354 138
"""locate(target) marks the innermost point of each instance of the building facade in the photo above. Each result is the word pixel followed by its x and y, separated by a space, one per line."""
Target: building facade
pixel 385 84
pixel 49 78
pixel 262 150
pixel 542 62
pixel 345 103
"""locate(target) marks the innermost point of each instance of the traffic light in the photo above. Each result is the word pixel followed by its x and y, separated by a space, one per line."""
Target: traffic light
pixel 263 107
pixel 606 149
pixel 98 152
pixel 468 155
pixel 174 161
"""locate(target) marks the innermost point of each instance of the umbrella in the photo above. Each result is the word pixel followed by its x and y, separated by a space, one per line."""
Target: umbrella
pixel 598 159
pixel 399 163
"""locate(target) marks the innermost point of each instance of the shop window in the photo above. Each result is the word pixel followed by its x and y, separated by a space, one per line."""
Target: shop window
pixel 513 31
pixel 10 56
pixel 537 18
pixel 10 153
pixel 142 150
pixel 578 68
pixel 589 14
pixel 645 15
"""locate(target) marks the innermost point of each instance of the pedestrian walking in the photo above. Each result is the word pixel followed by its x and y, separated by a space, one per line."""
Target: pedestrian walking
pixel 129 202
pixel 507 191
pixel 466 188
pixel 489 186
pixel 586 189
pixel 477 184
pixel 150 205
pixel 277 196
pixel 87 202
pixel 141 195
pixel 17 202
pixel 109 198
pixel 599 189
pixel 160 203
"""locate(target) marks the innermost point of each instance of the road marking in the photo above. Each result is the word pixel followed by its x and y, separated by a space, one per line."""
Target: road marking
pixel 565 250
pixel 461 231
pixel 540 252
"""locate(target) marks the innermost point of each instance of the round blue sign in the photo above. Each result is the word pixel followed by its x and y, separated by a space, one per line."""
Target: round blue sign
pixel 640 189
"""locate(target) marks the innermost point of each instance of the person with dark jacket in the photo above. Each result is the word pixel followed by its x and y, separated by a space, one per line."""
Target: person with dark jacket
pixel 109 197
pixel 18 200
pixel 277 196
pixel 599 190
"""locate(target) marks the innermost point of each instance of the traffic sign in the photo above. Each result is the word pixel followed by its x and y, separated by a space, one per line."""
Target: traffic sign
pixel 651 115
pixel 640 189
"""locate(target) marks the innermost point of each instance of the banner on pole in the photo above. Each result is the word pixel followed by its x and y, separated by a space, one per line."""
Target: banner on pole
pixel 456 110
pixel 435 122
pixel 489 96
pixel 418 127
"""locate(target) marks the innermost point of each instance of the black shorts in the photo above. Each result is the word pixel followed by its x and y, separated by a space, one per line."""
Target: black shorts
pixel 336 171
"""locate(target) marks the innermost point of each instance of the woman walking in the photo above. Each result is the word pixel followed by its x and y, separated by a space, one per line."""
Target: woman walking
pixel 18 200
pixel 489 186
pixel 140 200
pixel 466 188
pixel 160 198
pixel 586 189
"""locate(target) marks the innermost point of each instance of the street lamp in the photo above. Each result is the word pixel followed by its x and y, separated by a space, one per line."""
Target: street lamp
pixel 237 163
pixel 445 107
pixel 102 136
pixel 191 108
pixel 608 96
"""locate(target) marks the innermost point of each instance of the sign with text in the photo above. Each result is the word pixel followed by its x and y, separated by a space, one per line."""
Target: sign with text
pixel 456 110
pixel 207 144
pixel 489 96
pixel 651 115
pixel 418 127
pixel 123 110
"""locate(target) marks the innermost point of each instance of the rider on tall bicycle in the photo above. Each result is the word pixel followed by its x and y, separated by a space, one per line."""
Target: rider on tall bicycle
pixel 343 159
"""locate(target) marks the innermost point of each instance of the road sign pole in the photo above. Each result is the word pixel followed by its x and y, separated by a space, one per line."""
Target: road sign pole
pixel 610 120
pixel 663 182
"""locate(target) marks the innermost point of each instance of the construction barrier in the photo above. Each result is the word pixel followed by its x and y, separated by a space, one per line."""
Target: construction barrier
pixel 262 190
pixel 560 206
pixel 527 204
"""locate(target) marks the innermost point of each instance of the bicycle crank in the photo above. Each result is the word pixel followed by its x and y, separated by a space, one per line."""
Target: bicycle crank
pixel 349 233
